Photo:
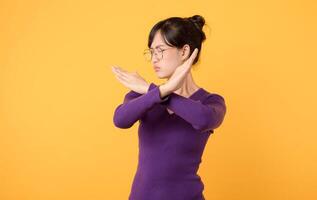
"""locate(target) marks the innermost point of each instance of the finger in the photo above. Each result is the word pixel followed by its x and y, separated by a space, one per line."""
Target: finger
pixel 136 74
pixel 121 70
pixel 121 80
pixel 126 73
pixel 115 70
pixel 194 54
pixel 122 76
pixel 191 59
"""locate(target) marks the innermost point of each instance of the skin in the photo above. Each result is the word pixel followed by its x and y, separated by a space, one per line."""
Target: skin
pixel 175 67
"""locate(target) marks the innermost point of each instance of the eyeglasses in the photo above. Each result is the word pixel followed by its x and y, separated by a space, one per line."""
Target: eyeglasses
pixel 148 53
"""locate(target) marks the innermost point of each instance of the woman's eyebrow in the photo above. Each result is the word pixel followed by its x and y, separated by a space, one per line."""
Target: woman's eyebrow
pixel 158 45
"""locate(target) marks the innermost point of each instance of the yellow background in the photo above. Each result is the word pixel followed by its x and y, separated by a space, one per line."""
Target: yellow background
pixel 58 95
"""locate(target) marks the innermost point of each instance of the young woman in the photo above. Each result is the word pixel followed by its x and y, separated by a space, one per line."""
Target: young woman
pixel 175 118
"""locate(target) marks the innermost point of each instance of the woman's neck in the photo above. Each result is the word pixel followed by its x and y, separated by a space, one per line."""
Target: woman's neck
pixel 189 86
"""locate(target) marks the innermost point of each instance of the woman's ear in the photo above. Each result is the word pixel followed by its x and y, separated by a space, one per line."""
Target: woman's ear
pixel 185 52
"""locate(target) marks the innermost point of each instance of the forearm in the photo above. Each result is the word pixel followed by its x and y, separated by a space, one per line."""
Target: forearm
pixel 127 113
pixel 164 91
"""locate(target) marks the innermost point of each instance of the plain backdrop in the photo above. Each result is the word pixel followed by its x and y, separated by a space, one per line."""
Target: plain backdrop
pixel 58 95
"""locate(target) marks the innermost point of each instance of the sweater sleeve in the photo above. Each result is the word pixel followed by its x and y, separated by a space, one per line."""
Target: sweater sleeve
pixel 203 116
pixel 135 105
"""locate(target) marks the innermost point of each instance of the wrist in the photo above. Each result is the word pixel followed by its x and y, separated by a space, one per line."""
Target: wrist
pixel 147 88
pixel 164 90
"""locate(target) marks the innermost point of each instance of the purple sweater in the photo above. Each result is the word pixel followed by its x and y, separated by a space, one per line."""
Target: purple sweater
pixel 170 145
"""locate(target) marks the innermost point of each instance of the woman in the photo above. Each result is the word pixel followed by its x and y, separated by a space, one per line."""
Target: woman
pixel 176 118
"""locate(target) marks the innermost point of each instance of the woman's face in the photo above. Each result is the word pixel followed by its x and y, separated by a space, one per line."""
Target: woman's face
pixel 172 57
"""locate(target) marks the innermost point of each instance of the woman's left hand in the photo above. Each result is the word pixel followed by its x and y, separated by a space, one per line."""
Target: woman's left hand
pixel 132 80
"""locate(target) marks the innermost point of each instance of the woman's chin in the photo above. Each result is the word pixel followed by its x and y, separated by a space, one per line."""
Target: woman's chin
pixel 160 76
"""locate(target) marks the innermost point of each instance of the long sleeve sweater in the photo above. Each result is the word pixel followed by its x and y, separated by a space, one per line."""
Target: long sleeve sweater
pixel 170 145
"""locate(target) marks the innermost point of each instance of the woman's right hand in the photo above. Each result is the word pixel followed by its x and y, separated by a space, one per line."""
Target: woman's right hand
pixel 178 77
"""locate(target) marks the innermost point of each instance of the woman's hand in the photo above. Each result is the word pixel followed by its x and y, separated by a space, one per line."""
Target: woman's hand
pixel 178 77
pixel 132 80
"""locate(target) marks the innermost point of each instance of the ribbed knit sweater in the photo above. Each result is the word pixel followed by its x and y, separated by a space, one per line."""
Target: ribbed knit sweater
pixel 170 145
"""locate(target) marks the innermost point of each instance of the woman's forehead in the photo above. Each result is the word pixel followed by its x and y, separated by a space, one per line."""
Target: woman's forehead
pixel 158 41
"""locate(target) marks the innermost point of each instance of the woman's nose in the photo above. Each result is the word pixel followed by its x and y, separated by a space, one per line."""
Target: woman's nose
pixel 154 59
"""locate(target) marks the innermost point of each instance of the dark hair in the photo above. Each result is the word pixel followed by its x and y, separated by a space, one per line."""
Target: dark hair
pixel 178 31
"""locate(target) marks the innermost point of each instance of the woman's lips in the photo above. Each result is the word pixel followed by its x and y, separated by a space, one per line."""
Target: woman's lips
pixel 156 68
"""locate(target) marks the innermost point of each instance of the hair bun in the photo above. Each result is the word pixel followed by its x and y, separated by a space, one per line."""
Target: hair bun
pixel 197 20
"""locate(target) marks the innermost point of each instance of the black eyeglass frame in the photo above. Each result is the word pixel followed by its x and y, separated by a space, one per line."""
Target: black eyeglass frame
pixel 146 51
